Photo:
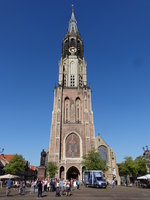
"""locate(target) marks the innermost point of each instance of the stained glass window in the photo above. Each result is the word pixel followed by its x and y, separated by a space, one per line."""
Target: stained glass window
pixel 103 153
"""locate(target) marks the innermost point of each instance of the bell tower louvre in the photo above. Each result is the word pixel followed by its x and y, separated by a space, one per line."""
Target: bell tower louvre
pixel 72 129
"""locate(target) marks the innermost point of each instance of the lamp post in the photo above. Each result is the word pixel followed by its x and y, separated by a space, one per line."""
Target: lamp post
pixel 1 150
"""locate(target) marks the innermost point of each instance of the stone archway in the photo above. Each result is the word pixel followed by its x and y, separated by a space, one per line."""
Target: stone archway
pixel 72 172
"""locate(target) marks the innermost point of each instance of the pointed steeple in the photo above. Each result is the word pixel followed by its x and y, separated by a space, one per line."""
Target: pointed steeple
pixel 72 23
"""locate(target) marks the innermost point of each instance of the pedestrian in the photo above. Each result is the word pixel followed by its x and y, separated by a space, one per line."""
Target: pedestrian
pixel 48 185
pixel 58 188
pixel 45 185
pixel 68 188
pixel 32 187
pixel 1 184
pixel 8 188
pixel 78 184
pixel 61 186
pixel 74 184
pixel 39 189
pixel 23 187
pixel 64 187
pixel 71 184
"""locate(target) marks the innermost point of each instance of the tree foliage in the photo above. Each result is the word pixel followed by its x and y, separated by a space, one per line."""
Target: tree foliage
pixel 141 166
pixel 15 166
pixel 51 169
pixel 132 167
pixel 92 161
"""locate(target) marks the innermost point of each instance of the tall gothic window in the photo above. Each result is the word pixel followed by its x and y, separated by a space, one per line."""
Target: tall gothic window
pixel 67 103
pixel 65 80
pixel 103 153
pixel 80 81
pixel 72 146
pixel 77 110
pixel 66 46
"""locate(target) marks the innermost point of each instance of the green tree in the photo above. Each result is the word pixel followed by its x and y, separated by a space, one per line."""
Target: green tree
pixel 128 167
pixel 92 161
pixel 16 165
pixel 51 169
pixel 141 166
pixel 132 168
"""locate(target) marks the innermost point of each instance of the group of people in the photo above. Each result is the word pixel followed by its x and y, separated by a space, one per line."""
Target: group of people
pixel 60 186
pixel 10 184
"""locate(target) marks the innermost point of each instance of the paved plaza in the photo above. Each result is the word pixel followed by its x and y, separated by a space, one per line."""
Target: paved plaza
pixel 118 193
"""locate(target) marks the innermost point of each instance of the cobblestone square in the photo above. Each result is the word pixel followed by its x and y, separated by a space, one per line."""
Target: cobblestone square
pixel 123 193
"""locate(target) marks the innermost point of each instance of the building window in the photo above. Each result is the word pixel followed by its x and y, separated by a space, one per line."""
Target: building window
pixel 72 42
pixel 77 104
pixel 75 147
pixel 103 153
pixel 72 146
pixel 78 113
pixel 65 80
pixel 67 113
pixel 80 81
pixel 72 154
pixel 69 147
pixel 67 110
pixel 72 80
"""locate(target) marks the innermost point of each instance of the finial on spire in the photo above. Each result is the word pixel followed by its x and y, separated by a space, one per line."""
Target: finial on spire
pixel 72 8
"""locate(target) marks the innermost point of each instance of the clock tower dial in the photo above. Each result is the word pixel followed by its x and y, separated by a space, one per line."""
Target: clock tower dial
pixel 72 50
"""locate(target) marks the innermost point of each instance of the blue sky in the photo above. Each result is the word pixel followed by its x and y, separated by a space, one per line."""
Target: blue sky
pixel 116 38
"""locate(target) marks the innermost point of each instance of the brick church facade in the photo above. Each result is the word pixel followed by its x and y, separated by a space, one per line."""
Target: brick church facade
pixel 72 129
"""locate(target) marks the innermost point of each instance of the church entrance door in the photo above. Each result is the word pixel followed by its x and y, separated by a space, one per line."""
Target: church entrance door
pixel 73 172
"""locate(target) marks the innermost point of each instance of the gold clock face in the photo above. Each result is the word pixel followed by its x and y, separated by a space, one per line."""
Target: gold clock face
pixel 72 49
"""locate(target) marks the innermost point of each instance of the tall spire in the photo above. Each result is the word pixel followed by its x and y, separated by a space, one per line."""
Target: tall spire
pixel 73 23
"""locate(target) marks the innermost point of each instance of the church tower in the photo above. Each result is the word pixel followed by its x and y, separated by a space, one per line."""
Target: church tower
pixel 72 128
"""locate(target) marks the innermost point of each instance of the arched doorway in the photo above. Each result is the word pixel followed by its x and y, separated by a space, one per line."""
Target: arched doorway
pixel 73 172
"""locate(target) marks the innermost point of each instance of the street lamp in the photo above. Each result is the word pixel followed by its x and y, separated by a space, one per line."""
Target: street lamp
pixel 1 150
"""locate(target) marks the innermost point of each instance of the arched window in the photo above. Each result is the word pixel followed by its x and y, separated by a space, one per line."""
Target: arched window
pixel 80 81
pixel 77 109
pixel 67 104
pixel 72 146
pixel 65 80
pixel 66 47
pixel 72 42
pixel 103 153
pixel 78 46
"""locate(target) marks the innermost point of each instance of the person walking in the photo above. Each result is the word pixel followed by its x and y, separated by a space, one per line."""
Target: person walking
pixel 58 188
pixel 8 188
pixel 39 189
pixel 61 186
pixel 78 184
pixel 71 183
pixel 32 187
pixel 48 185
pixel 68 188
pixel 23 187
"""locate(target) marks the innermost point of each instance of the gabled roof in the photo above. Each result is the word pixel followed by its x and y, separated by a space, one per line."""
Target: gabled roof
pixel 8 157
pixel 5 158
pixel 33 167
